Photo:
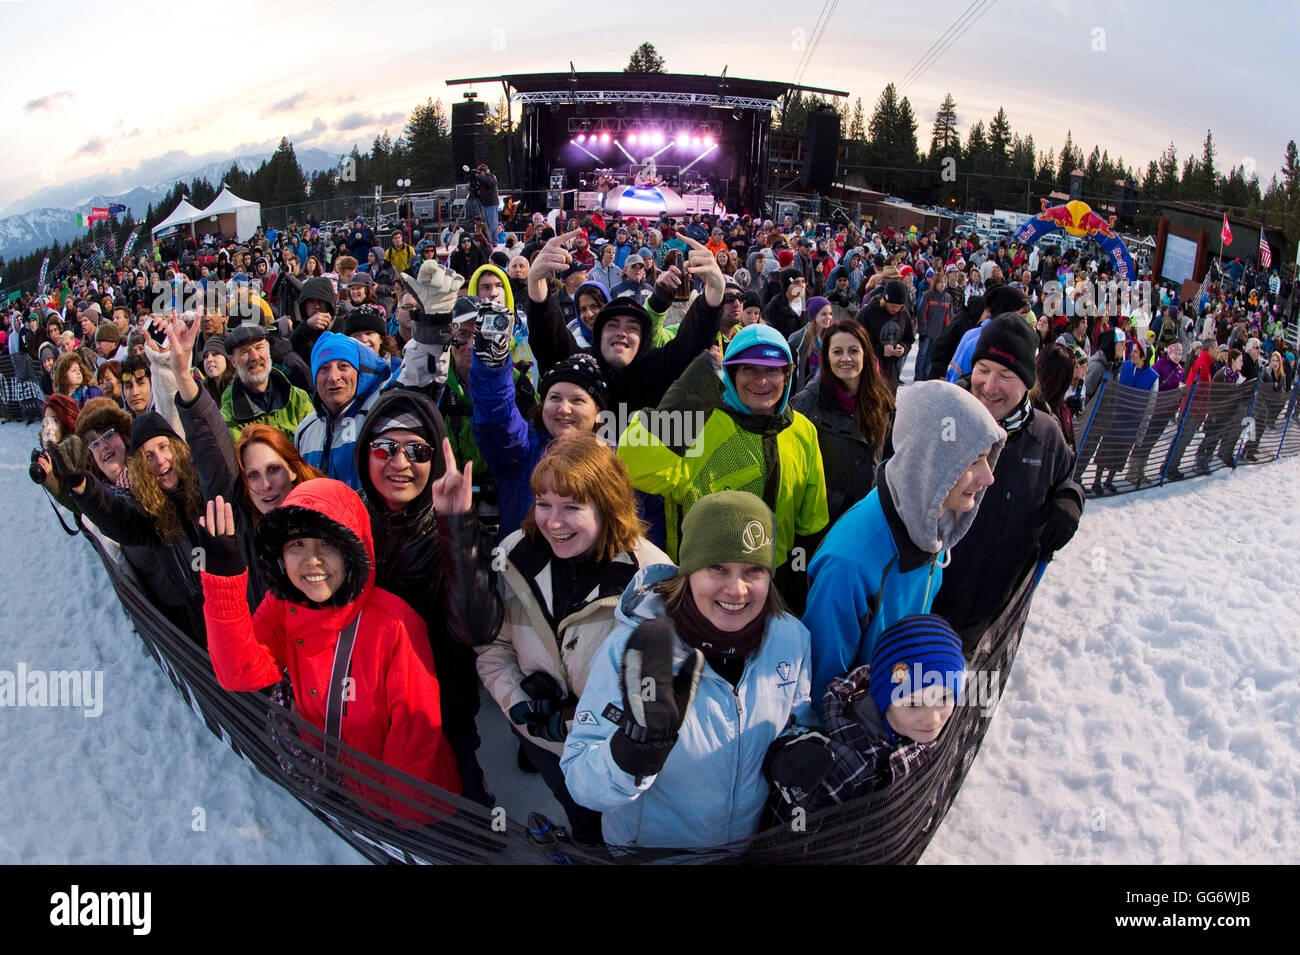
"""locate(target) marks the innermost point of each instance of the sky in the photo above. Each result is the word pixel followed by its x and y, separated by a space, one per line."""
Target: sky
pixel 141 88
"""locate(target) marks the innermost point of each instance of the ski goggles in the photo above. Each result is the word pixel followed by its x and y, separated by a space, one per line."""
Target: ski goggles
pixel 417 452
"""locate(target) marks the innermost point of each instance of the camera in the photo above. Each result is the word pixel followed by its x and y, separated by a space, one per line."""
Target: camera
pixel 34 469
pixel 494 318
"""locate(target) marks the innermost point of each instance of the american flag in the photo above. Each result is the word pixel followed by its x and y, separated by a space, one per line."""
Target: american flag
pixel 1265 253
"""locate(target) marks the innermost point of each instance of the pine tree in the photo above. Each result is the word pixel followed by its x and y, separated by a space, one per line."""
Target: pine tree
pixel 1291 174
pixel 645 59
pixel 858 125
pixel 1209 177
pixel 999 141
pixel 943 134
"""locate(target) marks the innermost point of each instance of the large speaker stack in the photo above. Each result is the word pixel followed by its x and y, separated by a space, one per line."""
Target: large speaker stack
pixel 820 147
pixel 467 118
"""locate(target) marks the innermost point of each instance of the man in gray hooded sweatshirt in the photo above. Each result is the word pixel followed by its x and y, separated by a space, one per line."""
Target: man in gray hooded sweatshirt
pixel 883 560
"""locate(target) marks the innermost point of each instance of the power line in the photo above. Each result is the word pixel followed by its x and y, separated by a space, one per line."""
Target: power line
pixel 800 65
pixel 817 39
pixel 951 26
pixel 947 46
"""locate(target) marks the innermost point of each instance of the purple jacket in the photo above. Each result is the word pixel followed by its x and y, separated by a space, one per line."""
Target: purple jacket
pixel 1171 374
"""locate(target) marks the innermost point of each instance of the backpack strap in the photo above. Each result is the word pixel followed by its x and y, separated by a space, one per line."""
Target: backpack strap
pixel 336 704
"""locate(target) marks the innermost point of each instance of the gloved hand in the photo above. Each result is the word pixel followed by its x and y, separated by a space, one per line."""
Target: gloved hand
pixel 494 333
pixel 796 764
pixel 1060 519
pixel 655 702
pixel 70 458
pixel 435 288
pixel 222 555
pixel 543 719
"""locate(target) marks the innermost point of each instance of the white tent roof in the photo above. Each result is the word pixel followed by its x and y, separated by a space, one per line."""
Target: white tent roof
pixel 227 201
pixel 183 214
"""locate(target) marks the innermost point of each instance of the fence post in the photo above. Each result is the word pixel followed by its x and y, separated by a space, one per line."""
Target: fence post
pixel 1250 415
pixel 1169 459
pixel 1290 408
pixel 1096 406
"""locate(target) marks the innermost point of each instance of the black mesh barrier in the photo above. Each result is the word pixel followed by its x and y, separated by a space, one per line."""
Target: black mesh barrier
pixel 389 816
pixel 1130 439
pixel 20 396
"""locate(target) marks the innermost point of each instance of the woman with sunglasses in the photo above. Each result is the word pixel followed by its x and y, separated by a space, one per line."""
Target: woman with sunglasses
pixel 430 558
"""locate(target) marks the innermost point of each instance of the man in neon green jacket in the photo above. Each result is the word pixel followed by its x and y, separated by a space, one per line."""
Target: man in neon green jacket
pixel 731 429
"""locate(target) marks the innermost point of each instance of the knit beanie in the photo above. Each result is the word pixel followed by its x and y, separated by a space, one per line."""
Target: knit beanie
pixel 107 332
pixel 784 258
pixel 915 653
pixel 217 343
pixel 580 369
pixel 1004 298
pixel 1010 341
pixel 724 527
pixel 895 292
pixel 815 305
pixel 365 318
pixel 787 276
pixel 149 426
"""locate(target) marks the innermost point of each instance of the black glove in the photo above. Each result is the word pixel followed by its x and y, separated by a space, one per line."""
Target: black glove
pixel 70 458
pixel 541 719
pixel 654 700
pixel 222 556
pixel 796 764
pixel 494 331
pixel 1060 521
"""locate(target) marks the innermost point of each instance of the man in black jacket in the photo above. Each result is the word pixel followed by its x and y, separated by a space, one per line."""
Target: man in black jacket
pixel 1033 508
pixel 889 323
pixel 779 311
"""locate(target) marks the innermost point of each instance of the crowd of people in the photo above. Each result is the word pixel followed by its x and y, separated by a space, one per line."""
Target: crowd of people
pixel 760 593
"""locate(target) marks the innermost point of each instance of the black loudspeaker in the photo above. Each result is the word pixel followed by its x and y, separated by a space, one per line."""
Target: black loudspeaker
pixel 467 119
pixel 1128 201
pixel 820 146
pixel 1077 182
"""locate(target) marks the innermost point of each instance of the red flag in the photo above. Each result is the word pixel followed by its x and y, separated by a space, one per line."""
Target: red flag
pixel 1226 235
pixel 1265 253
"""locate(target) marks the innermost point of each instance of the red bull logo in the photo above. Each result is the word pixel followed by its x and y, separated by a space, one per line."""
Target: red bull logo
pixel 1078 219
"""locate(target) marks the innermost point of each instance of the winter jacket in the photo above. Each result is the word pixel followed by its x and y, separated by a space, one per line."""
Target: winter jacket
pixel 393 711
pixel 528 642
pixel 643 382
pixel 289 405
pixel 1169 373
pixel 327 439
pixel 509 444
pixel 803 345
pixel 1198 380
pixel 711 790
pixel 775 456
pixel 849 461
pixel 360 242
pixel 780 314
pixel 934 314
pixel 1035 469
pixel 173 578
pixel 212 449
pixel 880 325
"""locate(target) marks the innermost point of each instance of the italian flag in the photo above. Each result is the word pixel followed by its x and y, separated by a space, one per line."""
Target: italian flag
pixel 92 216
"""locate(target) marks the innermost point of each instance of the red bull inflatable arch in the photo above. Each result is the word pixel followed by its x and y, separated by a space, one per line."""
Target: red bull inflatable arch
pixel 1077 218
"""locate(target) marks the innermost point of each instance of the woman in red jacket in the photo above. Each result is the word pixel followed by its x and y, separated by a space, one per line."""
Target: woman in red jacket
pixel 317 557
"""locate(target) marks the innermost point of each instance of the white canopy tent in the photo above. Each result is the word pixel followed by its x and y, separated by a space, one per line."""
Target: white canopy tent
pixel 233 216
pixel 183 214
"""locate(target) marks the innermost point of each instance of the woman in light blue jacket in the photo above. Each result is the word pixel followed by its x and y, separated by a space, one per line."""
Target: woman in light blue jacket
pixel 705 673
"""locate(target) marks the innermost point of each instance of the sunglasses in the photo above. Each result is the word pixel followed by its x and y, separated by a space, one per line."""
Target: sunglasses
pixel 729 298
pixel 100 441
pixel 417 452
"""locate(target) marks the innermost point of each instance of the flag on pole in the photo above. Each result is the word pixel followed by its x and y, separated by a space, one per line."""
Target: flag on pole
pixel 40 280
pixel 1226 235
pixel 1265 253
pixel 116 209
pixel 92 216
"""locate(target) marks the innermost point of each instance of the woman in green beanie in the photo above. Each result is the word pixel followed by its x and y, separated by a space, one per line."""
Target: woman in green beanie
pixel 704 674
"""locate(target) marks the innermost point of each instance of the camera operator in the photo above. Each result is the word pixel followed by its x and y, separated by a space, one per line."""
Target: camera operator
pixel 483 193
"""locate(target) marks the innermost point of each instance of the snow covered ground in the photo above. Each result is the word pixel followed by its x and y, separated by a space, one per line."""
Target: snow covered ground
pixel 1153 715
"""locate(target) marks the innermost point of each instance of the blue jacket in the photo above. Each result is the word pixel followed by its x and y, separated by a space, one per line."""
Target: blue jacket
pixel 510 446
pixel 328 441
pixel 711 789
pixel 867 575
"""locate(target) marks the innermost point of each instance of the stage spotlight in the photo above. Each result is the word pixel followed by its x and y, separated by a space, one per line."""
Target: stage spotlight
pixel 604 137
pixel 582 137
pixel 657 138
pixel 695 141
pixel 708 141
pixel 682 140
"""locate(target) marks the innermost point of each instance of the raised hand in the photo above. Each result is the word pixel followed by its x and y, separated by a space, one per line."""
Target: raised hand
pixel 453 493
pixel 553 257
pixel 703 264
pixel 220 554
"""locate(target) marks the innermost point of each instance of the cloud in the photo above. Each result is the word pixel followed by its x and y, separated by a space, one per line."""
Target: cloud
pixel 318 126
pixel 48 102
pixel 91 147
pixel 363 120
pixel 284 105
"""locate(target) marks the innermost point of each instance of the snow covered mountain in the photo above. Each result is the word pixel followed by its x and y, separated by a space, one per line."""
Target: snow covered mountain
pixel 50 214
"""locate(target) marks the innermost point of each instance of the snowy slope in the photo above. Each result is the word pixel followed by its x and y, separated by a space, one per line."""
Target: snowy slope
pixel 1155 697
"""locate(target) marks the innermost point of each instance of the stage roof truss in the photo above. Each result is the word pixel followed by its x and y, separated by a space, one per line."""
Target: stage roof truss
pixel 622 124
pixel 569 97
